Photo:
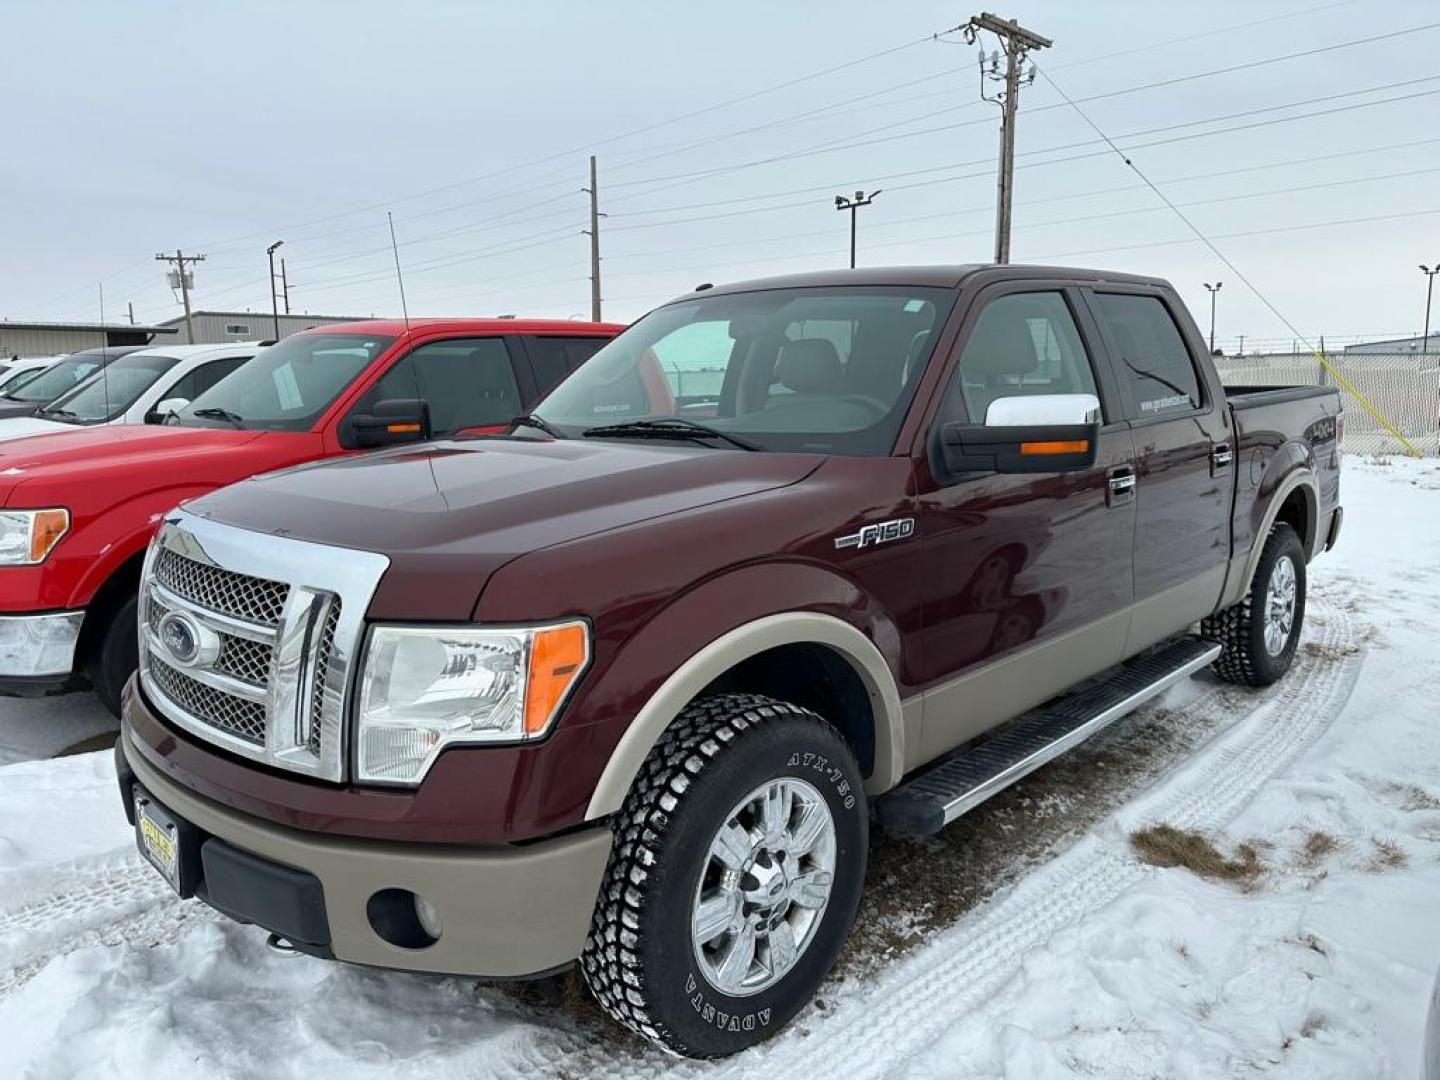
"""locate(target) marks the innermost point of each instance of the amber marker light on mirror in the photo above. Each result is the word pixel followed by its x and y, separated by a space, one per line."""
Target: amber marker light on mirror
pixel 558 654
pixel 1064 446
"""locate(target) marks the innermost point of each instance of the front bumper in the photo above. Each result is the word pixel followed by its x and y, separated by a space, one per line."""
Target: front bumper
pixel 39 648
pixel 506 912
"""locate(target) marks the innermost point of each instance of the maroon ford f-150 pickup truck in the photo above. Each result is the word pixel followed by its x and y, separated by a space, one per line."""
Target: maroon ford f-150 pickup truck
pixel 630 684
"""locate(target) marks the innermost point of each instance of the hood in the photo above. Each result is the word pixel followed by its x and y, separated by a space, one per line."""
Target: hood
pixel 462 509
pixel 75 463
pixel 18 427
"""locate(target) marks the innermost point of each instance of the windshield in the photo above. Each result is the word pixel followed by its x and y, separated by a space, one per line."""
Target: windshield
pixel 287 386
pixel 109 392
pixel 57 378
pixel 816 370
pixel 16 378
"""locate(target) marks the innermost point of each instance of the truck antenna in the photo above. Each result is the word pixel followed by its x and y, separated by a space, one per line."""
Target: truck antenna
pixel 399 277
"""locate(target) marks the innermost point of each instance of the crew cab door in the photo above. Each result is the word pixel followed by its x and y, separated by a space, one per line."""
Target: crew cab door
pixel 1028 574
pixel 1183 459
pixel 469 383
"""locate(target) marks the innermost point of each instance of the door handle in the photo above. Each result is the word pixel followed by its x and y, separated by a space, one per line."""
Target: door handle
pixel 1220 457
pixel 1120 485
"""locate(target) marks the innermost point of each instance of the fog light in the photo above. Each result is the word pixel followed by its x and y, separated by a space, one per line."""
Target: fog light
pixel 428 915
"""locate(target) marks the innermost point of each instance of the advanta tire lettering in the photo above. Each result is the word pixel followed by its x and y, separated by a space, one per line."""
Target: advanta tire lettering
pixel 638 960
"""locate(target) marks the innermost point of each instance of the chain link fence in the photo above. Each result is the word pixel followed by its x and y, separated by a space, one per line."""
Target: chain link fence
pixel 1403 387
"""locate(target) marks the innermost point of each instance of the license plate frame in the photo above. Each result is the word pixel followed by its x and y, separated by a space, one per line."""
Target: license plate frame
pixel 159 837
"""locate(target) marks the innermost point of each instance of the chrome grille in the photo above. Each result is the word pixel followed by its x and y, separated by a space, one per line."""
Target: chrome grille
pixel 246 660
pixel 256 599
pixel 323 649
pixel 241 718
pixel 248 641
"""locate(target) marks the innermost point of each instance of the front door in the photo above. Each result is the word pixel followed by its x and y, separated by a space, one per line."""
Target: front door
pixel 1183 477
pixel 1019 565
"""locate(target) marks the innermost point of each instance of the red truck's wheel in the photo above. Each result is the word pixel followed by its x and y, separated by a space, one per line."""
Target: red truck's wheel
pixel 115 655
pixel 738 860
pixel 1261 632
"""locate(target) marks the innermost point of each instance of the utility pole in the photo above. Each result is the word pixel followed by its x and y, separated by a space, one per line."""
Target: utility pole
pixel 285 286
pixel 594 234
pixel 1242 346
pixel 844 202
pixel 178 277
pixel 1429 293
pixel 131 306
pixel 1018 42
pixel 1212 290
pixel 274 304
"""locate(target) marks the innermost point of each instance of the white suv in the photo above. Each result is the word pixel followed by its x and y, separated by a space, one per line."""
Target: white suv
pixel 141 388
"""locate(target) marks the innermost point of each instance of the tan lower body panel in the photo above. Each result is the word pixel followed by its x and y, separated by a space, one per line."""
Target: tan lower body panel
pixel 963 708
pixel 505 913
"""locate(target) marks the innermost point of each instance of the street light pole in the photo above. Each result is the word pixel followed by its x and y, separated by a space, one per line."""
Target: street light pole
pixel 274 302
pixel 1212 289
pixel 844 202
pixel 1429 293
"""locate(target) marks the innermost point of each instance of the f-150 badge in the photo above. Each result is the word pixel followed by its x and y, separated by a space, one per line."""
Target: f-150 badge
pixel 880 533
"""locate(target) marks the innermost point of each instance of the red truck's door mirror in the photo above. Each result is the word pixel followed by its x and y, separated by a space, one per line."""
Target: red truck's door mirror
pixel 1026 434
pixel 398 420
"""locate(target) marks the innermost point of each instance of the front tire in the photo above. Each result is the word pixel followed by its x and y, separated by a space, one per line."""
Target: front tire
pixel 116 655
pixel 737 867
pixel 1261 633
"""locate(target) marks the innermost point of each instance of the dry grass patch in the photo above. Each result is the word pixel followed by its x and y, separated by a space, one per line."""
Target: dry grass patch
pixel 1167 846
pixel 1318 846
pixel 1385 855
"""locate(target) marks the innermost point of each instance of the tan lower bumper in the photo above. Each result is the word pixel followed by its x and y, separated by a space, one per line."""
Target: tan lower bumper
pixel 506 913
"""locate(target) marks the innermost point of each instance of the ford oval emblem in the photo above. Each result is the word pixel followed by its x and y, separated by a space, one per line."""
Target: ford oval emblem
pixel 180 637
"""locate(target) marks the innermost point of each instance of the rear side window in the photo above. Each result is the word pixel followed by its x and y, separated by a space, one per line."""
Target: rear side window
pixel 468 383
pixel 1156 373
pixel 555 357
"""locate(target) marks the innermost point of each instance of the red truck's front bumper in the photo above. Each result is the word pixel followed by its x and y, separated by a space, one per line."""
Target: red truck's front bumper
pixel 37 651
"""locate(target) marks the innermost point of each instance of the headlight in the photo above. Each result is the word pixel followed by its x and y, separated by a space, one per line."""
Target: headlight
pixel 27 536
pixel 423 688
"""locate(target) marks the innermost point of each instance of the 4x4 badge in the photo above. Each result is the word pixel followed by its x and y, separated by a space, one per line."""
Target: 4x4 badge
pixel 880 533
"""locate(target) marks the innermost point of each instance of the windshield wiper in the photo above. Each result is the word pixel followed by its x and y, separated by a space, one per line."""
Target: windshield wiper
pixel 216 413
pixel 674 427
pixel 539 423
pixel 59 414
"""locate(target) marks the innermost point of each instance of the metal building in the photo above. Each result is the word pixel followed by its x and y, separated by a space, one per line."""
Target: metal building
pixel 52 338
pixel 1414 344
pixel 218 327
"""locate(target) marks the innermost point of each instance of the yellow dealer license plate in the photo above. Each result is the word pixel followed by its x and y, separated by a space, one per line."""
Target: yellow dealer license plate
pixel 158 838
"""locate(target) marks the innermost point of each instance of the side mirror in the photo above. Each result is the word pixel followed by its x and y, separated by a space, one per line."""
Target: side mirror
pixel 1039 433
pixel 399 420
pixel 165 409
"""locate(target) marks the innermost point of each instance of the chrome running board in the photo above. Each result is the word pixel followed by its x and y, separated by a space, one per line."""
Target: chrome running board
pixel 960 781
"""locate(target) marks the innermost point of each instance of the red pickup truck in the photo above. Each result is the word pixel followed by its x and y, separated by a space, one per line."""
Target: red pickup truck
pixel 629 684
pixel 77 508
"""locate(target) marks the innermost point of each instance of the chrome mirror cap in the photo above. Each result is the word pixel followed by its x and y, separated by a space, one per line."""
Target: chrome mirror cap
pixel 1037 410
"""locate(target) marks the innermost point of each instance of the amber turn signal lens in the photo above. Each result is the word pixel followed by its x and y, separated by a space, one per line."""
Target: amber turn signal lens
pixel 558 655
pixel 49 527
pixel 403 429
pixel 1064 446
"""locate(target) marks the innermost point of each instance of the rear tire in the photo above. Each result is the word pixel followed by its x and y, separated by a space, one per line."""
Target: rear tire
pixel 718 877
pixel 116 655
pixel 1261 632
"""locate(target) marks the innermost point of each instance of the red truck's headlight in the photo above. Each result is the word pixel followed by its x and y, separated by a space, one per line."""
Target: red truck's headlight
pixel 27 536
pixel 423 688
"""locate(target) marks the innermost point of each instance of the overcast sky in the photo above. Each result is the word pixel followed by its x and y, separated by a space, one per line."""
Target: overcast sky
pixel 136 127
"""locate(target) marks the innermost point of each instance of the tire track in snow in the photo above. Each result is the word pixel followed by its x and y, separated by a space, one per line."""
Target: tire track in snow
pixel 876 1032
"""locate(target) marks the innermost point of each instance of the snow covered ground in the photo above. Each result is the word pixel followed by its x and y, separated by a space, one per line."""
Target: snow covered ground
pixel 1029 941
